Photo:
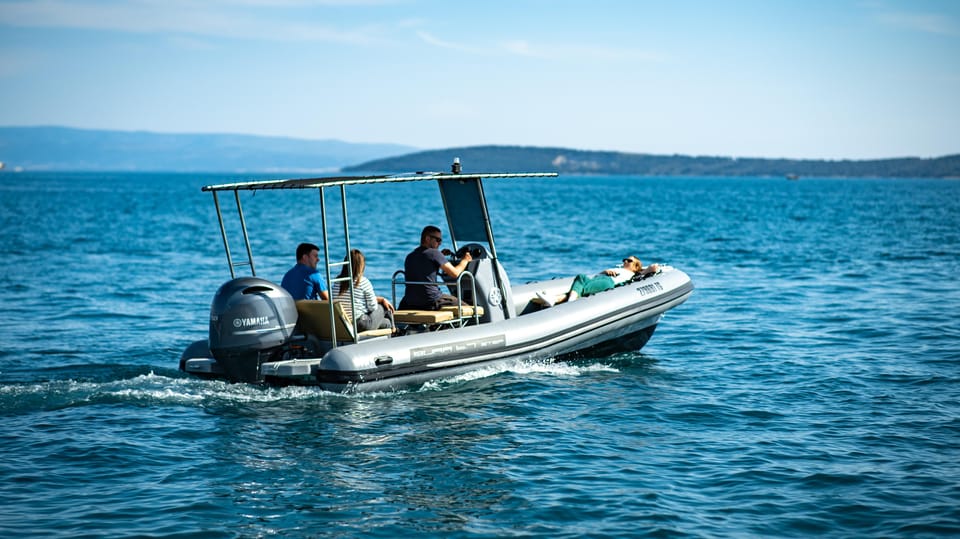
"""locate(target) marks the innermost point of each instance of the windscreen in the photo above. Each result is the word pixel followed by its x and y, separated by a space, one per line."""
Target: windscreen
pixel 465 206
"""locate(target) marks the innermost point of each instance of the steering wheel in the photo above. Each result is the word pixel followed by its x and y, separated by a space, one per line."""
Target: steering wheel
pixel 476 250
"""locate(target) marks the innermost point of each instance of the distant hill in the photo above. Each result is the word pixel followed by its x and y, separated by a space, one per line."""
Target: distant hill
pixel 62 148
pixel 68 149
pixel 535 159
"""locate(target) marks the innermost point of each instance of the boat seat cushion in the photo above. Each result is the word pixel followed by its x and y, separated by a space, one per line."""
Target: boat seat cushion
pixel 313 318
pixel 411 316
pixel 467 310
pixel 381 332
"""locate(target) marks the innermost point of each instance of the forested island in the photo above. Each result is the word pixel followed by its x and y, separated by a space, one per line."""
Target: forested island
pixel 562 160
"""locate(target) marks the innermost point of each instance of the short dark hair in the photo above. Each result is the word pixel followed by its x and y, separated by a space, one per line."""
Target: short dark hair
pixel 304 249
pixel 428 230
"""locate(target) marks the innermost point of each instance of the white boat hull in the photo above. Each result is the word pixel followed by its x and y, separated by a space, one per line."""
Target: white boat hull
pixel 619 319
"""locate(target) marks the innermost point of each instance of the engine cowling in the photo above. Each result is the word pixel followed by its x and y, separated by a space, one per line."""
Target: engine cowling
pixel 250 320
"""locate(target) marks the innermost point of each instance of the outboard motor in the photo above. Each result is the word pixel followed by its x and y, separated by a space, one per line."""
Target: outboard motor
pixel 250 321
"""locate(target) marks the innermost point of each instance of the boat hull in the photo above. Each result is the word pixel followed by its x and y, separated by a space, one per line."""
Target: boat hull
pixel 618 320
pixel 622 319
pixel 385 380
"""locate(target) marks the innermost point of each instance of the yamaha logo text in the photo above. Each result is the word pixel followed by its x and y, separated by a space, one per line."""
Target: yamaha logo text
pixel 251 322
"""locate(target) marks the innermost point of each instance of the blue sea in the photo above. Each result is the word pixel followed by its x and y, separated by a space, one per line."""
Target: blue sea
pixel 809 387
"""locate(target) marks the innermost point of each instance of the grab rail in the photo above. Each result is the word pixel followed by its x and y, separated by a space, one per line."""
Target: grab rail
pixel 457 284
pixel 226 243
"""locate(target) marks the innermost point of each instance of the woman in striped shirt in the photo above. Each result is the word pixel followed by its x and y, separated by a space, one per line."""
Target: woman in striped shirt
pixel 376 312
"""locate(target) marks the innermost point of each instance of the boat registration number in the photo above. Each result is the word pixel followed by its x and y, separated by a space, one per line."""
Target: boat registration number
pixel 651 288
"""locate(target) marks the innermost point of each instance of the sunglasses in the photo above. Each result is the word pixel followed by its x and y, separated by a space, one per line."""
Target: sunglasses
pixel 630 261
pixel 437 238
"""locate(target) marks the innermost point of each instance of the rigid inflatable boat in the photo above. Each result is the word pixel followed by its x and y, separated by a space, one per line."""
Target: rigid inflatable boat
pixel 259 334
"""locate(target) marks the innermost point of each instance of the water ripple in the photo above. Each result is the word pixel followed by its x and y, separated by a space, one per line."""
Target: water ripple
pixel 810 386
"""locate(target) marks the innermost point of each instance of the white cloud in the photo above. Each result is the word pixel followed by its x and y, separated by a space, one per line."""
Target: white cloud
pixel 302 3
pixel 226 18
pixel 15 62
pixel 255 20
pixel 607 53
pixel 931 23
pixel 430 39
pixel 520 47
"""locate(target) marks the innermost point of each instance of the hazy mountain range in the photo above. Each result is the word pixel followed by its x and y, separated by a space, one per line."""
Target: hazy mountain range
pixel 69 149
pixel 63 148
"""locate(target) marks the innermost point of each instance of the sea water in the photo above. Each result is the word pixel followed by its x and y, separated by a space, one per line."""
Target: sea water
pixel 809 387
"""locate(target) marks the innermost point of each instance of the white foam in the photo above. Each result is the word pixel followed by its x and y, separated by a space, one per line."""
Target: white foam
pixel 521 367
pixel 152 388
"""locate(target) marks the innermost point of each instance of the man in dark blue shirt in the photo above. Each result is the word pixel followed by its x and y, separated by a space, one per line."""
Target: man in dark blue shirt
pixel 303 281
pixel 421 265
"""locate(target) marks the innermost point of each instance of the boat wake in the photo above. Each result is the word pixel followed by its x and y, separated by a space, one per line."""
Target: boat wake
pixel 164 387
pixel 520 367
pixel 147 390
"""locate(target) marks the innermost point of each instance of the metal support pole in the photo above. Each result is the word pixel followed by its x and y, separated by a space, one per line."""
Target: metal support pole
pixel 246 238
pixel 223 234
pixel 349 259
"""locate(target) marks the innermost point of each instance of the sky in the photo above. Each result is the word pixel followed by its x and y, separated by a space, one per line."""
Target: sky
pixel 819 79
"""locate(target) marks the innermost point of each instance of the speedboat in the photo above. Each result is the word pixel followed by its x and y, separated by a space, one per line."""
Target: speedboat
pixel 259 334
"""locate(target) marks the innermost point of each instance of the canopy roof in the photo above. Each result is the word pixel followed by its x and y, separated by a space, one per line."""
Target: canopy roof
pixel 333 181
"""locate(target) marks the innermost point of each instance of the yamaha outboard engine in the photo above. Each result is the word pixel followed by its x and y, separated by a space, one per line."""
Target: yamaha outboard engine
pixel 250 321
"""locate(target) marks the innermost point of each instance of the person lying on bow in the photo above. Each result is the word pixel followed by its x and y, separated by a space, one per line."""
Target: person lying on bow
pixel 584 285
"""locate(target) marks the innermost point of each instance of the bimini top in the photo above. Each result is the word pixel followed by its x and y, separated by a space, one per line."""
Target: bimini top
pixel 462 195
pixel 333 181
